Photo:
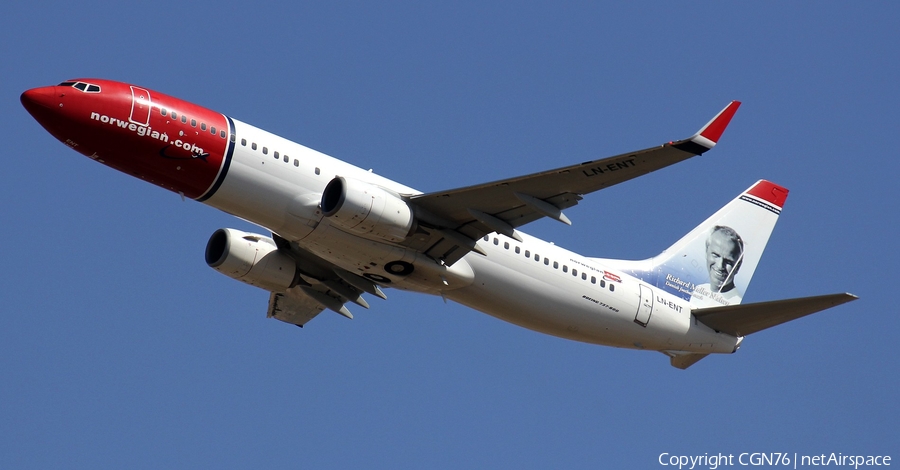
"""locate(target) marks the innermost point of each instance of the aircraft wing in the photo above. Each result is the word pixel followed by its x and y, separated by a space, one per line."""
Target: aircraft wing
pixel 322 285
pixel 745 319
pixel 501 206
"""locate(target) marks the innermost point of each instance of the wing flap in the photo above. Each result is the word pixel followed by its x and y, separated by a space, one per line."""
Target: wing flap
pixel 321 285
pixel 293 306
pixel 746 319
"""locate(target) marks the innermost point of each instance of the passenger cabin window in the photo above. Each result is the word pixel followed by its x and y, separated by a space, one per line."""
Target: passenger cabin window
pixel 555 265
pixel 296 162
pixel 286 158
pixel 193 123
pixel 593 279
pixel 244 142
pixel 528 253
pixel 183 119
pixel 253 145
pixel 222 133
pixel 265 150
pixel 317 170
pixel 546 261
pixel 518 250
pixel 202 126
pixel 174 115
pixel 212 130
pixel 506 245
pixel 276 155
pixel 163 111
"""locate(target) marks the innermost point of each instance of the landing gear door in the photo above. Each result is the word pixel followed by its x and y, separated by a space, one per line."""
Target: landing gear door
pixel 140 106
pixel 645 306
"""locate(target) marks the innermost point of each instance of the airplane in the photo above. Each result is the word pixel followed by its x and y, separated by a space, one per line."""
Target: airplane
pixel 338 231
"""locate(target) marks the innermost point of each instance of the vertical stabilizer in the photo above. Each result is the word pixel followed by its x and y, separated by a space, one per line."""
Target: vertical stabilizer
pixel 712 265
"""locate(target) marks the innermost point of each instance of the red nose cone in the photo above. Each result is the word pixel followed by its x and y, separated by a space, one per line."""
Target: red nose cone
pixel 43 104
pixel 43 97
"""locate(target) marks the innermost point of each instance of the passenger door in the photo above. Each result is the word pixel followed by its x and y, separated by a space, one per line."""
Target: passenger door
pixel 645 306
pixel 140 106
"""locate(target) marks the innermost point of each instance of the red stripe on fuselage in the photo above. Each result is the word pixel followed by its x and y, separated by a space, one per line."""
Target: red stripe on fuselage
pixel 112 126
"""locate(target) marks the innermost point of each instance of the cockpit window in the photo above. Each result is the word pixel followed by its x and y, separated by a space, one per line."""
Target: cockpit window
pixel 85 87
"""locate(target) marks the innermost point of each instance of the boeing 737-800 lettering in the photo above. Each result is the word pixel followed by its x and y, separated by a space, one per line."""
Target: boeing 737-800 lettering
pixel 339 232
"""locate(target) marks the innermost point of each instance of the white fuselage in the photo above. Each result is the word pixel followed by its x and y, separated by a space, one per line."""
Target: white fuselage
pixel 532 283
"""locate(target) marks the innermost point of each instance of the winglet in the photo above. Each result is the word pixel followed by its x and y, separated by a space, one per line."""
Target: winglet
pixel 709 135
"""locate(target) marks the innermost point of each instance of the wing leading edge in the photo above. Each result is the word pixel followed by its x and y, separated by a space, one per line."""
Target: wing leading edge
pixel 501 206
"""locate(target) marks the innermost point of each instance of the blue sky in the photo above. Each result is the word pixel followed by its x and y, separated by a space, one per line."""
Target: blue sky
pixel 120 348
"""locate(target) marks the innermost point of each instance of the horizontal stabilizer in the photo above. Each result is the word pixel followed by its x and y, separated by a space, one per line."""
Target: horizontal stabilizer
pixel 745 319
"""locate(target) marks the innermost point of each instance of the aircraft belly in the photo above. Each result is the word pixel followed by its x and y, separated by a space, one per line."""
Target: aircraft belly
pixel 384 263
pixel 249 193
pixel 266 199
pixel 519 295
pixel 515 296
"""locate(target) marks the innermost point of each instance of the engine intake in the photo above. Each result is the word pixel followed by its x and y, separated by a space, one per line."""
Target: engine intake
pixel 366 209
pixel 251 258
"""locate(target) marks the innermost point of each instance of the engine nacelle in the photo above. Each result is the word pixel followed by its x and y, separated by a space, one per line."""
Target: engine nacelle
pixel 366 209
pixel 251 258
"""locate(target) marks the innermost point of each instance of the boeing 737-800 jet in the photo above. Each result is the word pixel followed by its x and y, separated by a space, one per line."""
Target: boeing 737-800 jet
pixel 338 231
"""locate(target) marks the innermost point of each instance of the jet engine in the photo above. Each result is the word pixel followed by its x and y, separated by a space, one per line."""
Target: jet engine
pixel 367 210
pixel 251 258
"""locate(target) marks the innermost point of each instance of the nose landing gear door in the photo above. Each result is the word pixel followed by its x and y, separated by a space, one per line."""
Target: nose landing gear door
pixel 645 306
